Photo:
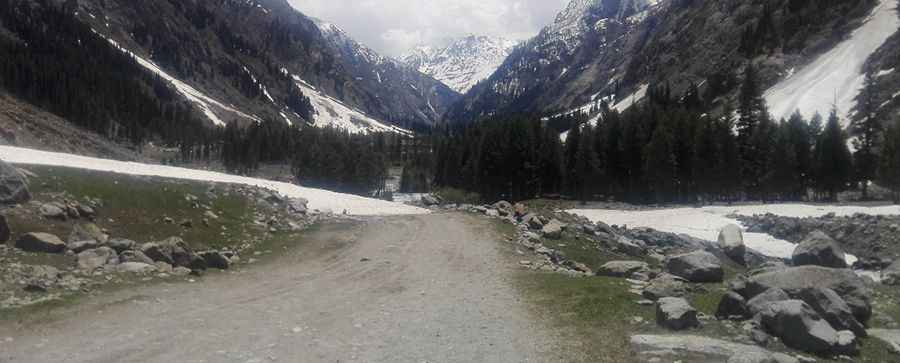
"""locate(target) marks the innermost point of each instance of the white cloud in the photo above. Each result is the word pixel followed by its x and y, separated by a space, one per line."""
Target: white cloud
pixel 394 26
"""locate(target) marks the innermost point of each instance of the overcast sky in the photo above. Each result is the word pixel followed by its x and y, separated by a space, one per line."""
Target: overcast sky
pixel 394 26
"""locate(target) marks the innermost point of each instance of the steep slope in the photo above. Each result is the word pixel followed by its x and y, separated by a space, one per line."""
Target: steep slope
pixel 464 62
pixel 609 50
pixel 240 60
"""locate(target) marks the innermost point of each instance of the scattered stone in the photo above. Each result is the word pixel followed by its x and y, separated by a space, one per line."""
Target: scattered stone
pixel 88 231
pixel 210 215
pixel 553 230
pixel 86 211
pixel 891 275
pixel 821 250
pixel 297 205
pixel 665 285
pixel 699 266
pixel 158 252
pixel 215 259
pixel 91 260
pixel 676 314
pixel 689 348
pixel 81 246
pixel 54 211
pixel 181 271
pixel 13 185
pixel 622 268
pixel 40 242
pixel 135 256
pixel 430 200
pixel 121 244
pixel 731 240
pixel 732 305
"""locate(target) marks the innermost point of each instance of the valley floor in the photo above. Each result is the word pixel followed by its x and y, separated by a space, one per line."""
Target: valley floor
pixel 400 289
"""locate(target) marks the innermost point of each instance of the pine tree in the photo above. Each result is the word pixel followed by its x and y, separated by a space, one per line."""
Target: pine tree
pixel 661 167
pixel 753 111
pixel 889 165
pixel 833 159
pixel 586 165
pixel 868 130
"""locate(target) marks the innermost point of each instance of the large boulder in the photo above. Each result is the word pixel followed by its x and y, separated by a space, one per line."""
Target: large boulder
pixel 846 283
pixel 295 205
pixel 690 348
pixel 13 186
pixel 821 250
pixel 800 327
pixel 88 231
pixel 665 285
pixel 553 230
pixel 760 302
pixel 81 246
pixel 622 268
pixel 91 260
pixel 698 266
pixel 158 252
pixel 676 313
pixel 835 310
pixel 731 240
pixel 121 244
pixel 40 242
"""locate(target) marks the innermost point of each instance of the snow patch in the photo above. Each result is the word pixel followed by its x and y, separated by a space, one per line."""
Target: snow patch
pixel 321 200
pixel 331 112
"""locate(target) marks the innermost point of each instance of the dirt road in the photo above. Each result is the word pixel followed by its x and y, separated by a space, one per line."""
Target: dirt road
pixel 408 289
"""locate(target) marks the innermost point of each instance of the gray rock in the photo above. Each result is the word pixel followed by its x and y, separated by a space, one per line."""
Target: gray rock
pixel 136 268
pixel 622 268
pixel 91 260
pixel 821 250
pixel 295 205
pixel 676 313
pixel 158 252
pixel 630 246
pixel 181 271
pixel 800 327
pixel 732 305
pixel 121 244
pixel 847 344
pixel 430 200
pixel 835 310
pixel 699 266
pixel 689 348
pixel 846 283
pixel 81 246
pixel 553 230
pixel 760 302
pixel 173 250
pixel 215 259
pixel 135 256
pixel 54 211
pixel 13 185
pixel 731 240
pixel 492 213
pixel 505 208
pixel 533 221
pixel 86 211
pixel 40 242
pixel 665 285
pixel 88 231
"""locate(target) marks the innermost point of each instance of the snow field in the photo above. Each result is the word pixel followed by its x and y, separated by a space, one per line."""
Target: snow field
pixel 321 200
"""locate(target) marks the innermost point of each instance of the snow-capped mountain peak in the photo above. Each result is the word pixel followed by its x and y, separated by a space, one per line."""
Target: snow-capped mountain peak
pixel 464 62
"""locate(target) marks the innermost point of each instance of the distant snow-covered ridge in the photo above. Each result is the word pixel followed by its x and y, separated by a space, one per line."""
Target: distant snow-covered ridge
pixel 321 200
pixel 464 62
pixel 836 77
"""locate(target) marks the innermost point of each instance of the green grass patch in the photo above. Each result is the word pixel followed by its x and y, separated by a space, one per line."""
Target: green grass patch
pixel 594 314
pixel 588 252
pixel 134 207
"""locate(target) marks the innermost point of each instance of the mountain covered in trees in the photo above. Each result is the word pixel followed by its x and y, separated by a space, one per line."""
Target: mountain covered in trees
pixel 609 51
pixel 228 60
